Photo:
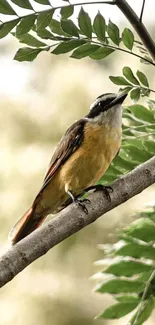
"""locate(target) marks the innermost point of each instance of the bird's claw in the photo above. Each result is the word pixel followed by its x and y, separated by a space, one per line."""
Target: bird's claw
pixel 100 187
pixel 86 200
pixel 81 204
pixel 107 190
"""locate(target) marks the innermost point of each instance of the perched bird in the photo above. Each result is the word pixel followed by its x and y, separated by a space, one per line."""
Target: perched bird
pixel 81 158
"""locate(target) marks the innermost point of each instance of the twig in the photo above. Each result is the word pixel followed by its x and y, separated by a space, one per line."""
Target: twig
pixel 138 26
pixel 72 219
pixel 142 10
pixel 117 48
pixel 126 51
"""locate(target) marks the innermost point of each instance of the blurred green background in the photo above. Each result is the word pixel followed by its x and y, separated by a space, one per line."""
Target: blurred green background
pixel 38 101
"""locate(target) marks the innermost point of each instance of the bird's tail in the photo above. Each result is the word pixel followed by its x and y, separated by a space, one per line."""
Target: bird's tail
pixel 26 224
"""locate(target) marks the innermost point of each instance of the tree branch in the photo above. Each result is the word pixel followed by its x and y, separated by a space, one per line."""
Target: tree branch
pixel 72 219
pixel 137 25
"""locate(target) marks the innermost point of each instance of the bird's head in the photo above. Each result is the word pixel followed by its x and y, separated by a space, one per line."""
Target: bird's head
pixel 106 105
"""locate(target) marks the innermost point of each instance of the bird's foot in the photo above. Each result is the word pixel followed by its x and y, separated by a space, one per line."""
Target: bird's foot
pixel 106 189
pixel 79 202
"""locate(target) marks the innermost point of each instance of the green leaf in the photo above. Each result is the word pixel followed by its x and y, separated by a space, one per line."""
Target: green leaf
pixel 137 251
pixel 126 89
pixel 150 146
pixel 45 34
pixel 142 78
pixel 31 40
pixel 101 53
pixel 146 308
pixel 118 310
pixel 55 26
pixel 128 74
pixel 84 22
pixel 5 8
pixel 137 154
pixel 44 19
pixel 142 113
pixel 124 164
pixel 143 229
pixel 43 2
pixel 128 298
pixel 23 4
pixel 67 11
pixel 7 27
pixel 119 81
pixel 117 285
pixel 25 25
pixel 135 142
pixel 84 50
pixel 107 179
pixel 135 94
pixel 128 38
pixel 65 47
pixel 127 268
pixel 112 170
pixel 113 32
pixel 99 26
pixel 69 27
pixel 27 54
pixel 144 277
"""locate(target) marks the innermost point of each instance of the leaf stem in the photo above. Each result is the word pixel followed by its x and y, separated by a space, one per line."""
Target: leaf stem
pixel 126 51
pixel 139 126
pixel 115 48
pixel 144 296
pixel 137 136
pixel 153 91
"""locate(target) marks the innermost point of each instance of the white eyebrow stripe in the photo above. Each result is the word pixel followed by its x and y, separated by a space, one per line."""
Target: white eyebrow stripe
pixel 98 100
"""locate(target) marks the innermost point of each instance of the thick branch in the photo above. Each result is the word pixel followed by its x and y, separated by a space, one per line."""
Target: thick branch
pixel 137 25
pixel 71 220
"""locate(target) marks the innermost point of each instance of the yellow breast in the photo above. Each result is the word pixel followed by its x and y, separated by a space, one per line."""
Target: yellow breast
pixel 87 165
pixel 84 167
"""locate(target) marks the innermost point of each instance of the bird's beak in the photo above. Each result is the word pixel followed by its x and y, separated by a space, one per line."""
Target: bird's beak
pixel 119 99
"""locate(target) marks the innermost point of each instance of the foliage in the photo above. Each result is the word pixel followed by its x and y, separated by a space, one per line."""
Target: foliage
pixel 42 32
pixel 137 86
pixel 138 143
pixel 130 275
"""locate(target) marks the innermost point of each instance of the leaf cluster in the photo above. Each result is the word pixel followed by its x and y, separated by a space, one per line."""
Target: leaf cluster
pixel 40 31
pixel 137 85
pixel 138 142
pixel 131 271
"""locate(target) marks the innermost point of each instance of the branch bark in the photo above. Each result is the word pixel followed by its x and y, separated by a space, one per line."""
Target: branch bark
pixel 72 219
pixel 137 25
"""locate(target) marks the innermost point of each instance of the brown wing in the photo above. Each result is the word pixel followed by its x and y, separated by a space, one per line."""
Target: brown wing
pixel 67 145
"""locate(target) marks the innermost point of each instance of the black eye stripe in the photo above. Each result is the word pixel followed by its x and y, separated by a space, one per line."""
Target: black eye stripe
pixel 100 106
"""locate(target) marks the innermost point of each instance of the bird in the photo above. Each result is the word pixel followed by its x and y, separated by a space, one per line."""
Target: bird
pixel 80 159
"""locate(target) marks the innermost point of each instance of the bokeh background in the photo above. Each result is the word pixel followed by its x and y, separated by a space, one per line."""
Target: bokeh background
pixel 38 101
